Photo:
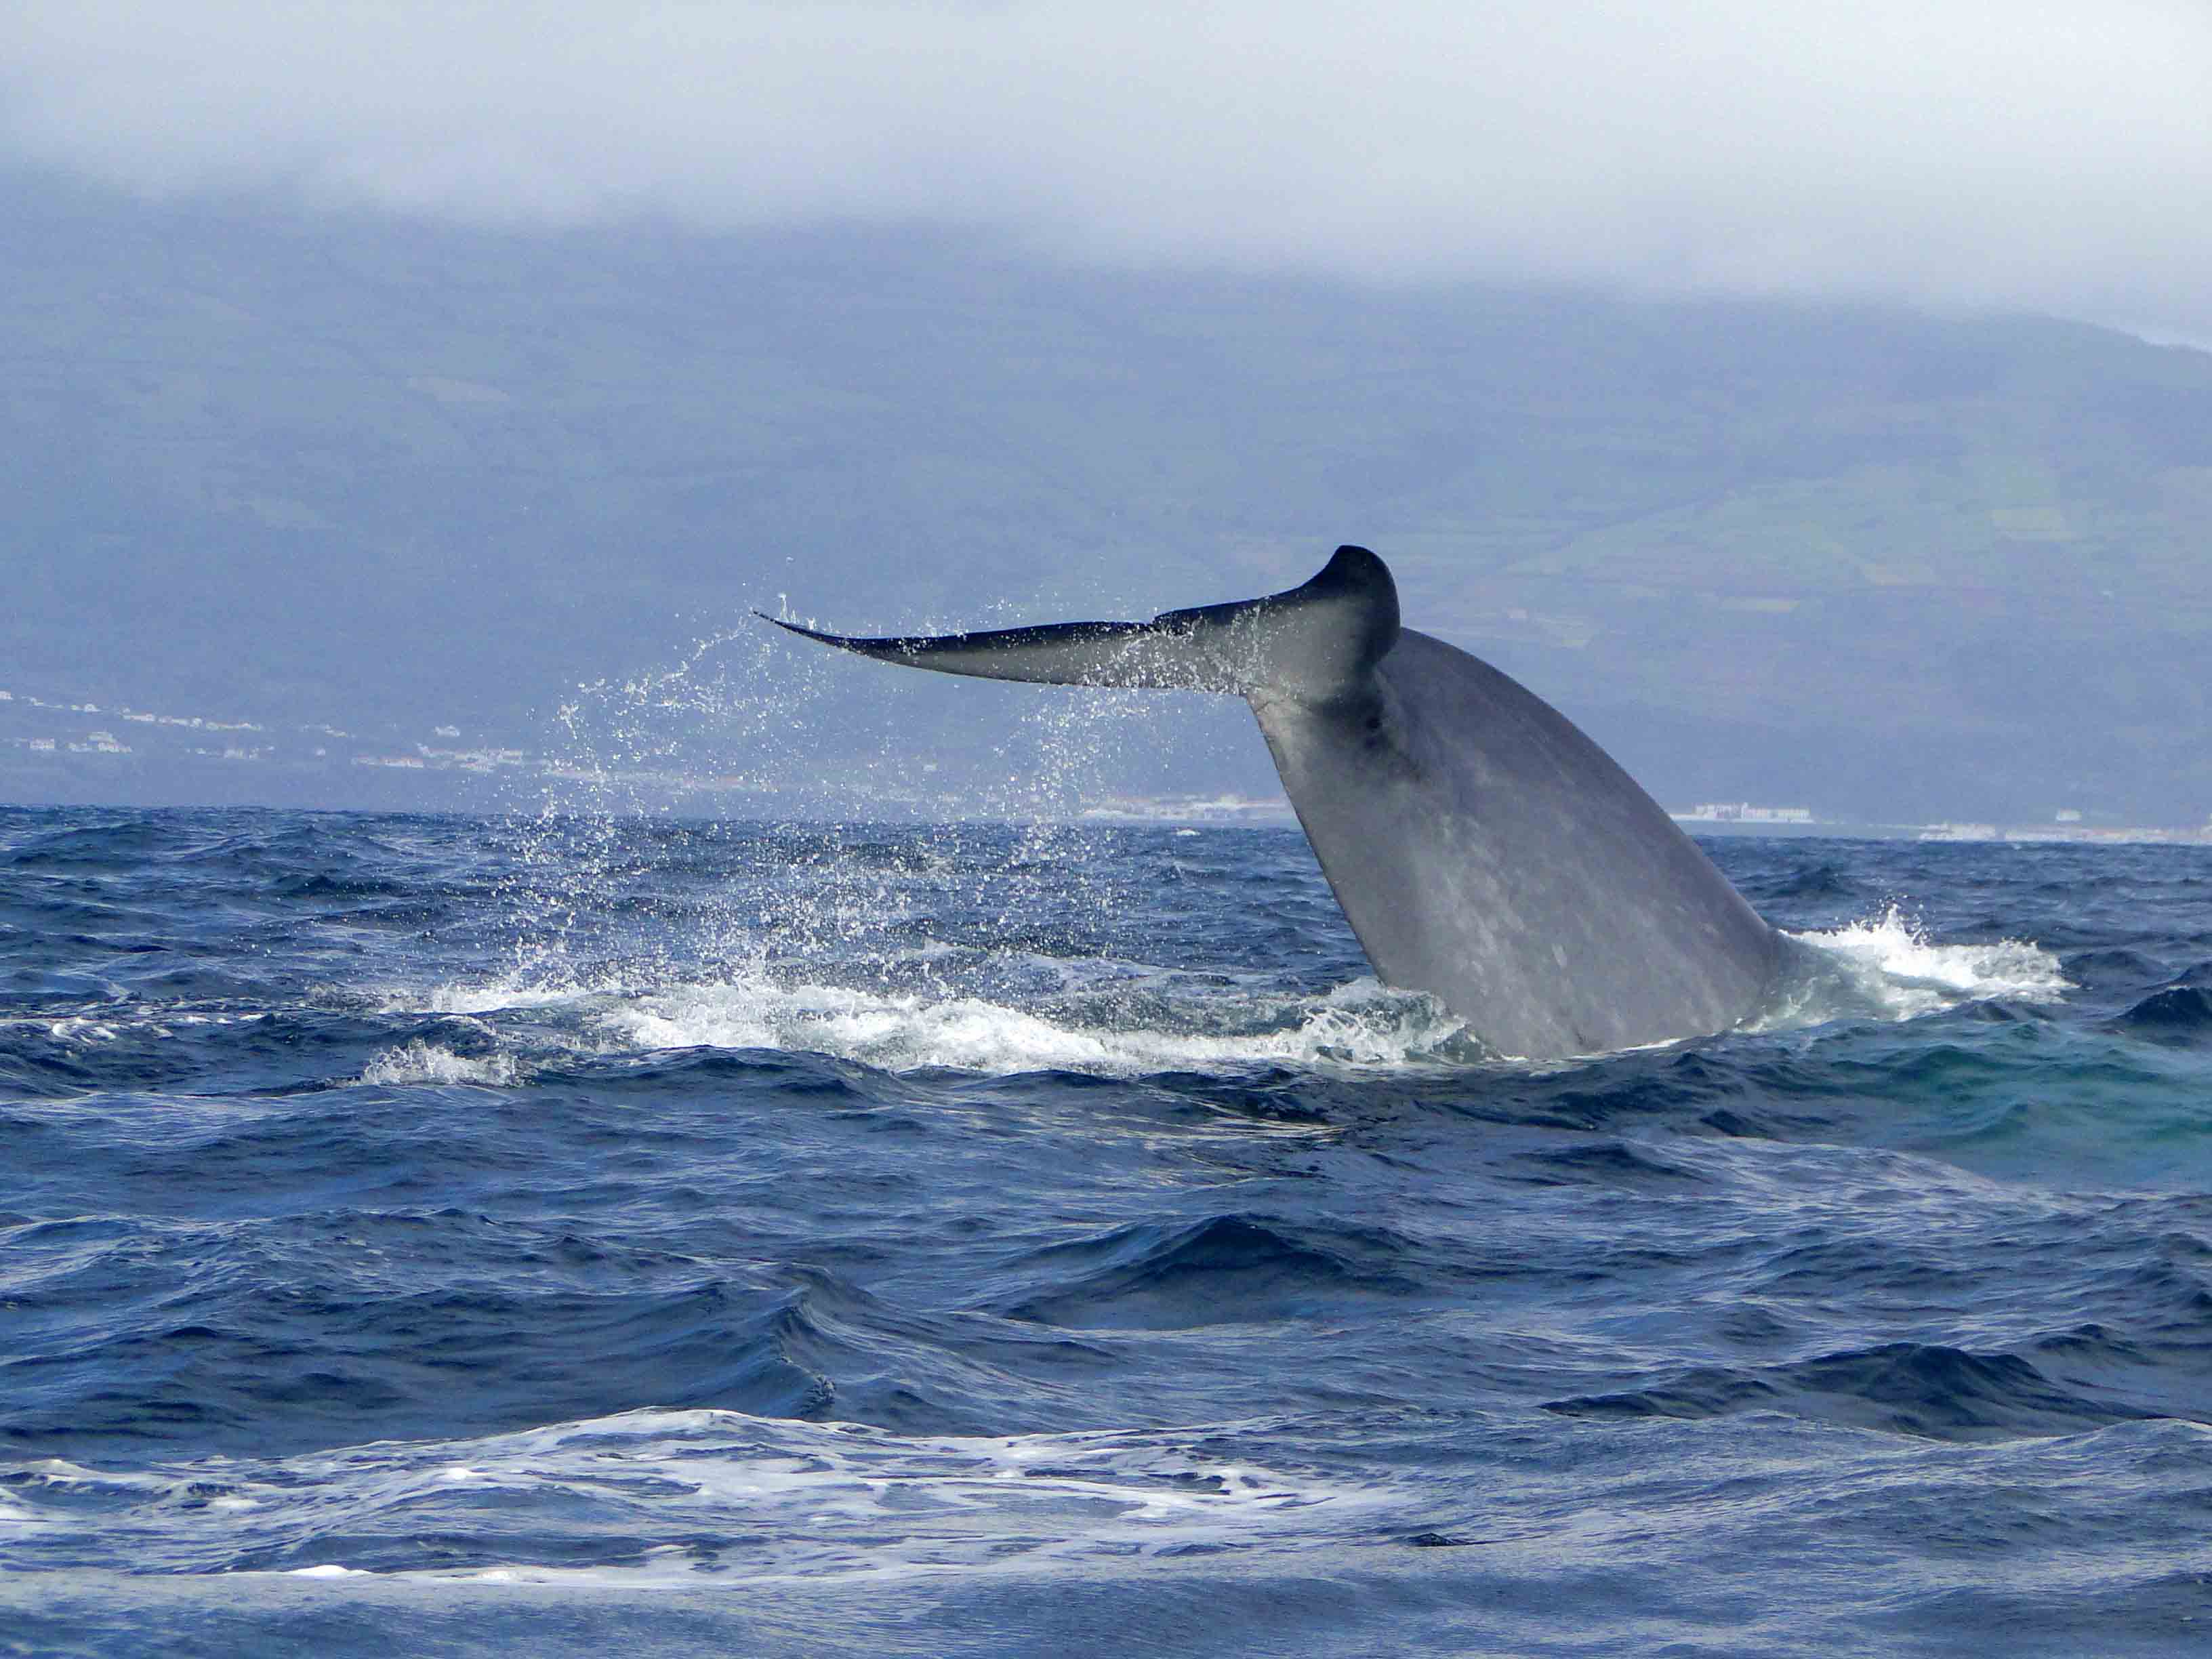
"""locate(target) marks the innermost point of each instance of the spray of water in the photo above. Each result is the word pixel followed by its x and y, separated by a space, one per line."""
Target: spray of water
pixel 1885 966
pixel 825 932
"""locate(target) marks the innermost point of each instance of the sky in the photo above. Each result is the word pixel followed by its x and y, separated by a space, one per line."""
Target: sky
pixel 1939 153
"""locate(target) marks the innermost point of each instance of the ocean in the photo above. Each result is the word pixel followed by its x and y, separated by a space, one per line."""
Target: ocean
pixel 580 1234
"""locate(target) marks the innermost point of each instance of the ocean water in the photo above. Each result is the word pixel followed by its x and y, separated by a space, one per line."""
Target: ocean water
pixel 573 1235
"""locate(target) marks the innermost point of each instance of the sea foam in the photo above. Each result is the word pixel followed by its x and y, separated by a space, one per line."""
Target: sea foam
pixel 1358 1025
pixel 764 1497
pixel 1885 966
pixel 426 1062
pixel 1001 1013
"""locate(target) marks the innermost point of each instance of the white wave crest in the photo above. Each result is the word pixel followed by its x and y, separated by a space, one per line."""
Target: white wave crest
pixel 1122 1019
pixel 1359 1026
pixel 812 1500
pixel 1887 966
pixel 418 1061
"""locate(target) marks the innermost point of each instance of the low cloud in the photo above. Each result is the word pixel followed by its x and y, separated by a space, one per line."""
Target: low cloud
pixel 2051 156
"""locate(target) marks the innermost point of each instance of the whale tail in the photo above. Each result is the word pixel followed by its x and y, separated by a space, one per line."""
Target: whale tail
pixel 1483 849
pixel 1316 643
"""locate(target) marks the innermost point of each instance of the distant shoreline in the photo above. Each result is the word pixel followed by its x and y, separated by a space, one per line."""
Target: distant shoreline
pixel 1170 812
pixel 2025 834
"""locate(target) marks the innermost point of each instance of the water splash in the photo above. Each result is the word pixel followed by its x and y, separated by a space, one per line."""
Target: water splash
pixel 1142 1024
pixel 841 980
pixel 831 940
pixel 418 1061
pixel 1360 1026
pixel 1887 967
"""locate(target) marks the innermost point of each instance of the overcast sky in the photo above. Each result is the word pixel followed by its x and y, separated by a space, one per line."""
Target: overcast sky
pixel 2051 156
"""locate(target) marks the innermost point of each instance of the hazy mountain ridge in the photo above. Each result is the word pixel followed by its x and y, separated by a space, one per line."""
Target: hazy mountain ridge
pixel 389 475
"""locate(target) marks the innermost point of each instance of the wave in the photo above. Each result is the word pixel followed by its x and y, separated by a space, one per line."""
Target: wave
pixel 1127 1020
pixel 1359 1026
pixel 1926 1390
pixel 1887 967
pixel 759 1498
pixel 1225 1269
pixel 2178 1013
pixel 1135 1024
pixel 418 1061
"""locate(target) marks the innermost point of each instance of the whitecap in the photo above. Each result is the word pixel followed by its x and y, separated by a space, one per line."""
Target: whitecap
pixel 833 1498
pixel 417 1061
pixel 808 1499
pixel 1886 966
pixel 1362 1026
pixel 1003 1012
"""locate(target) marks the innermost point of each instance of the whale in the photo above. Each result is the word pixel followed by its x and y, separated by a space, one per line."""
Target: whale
pixel 1484 850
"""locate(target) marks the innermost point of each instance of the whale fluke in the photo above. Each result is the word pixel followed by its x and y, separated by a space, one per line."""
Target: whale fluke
pixel 1318 641
pixel 1484 850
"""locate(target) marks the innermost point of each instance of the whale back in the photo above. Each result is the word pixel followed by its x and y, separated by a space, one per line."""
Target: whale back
pixel 1484 850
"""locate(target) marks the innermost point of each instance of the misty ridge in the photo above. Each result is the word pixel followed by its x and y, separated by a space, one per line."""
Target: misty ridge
pixel 391 475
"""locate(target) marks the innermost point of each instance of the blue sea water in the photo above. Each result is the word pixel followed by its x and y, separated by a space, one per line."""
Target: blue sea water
pixel 569 1235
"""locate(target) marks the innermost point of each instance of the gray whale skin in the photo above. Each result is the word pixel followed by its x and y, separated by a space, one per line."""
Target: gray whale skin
pixel 1484 850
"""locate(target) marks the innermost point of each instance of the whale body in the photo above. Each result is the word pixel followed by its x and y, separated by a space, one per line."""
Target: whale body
pixel 1483 849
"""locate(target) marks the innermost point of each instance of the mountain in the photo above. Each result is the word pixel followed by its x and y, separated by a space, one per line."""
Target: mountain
pixel 387 476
